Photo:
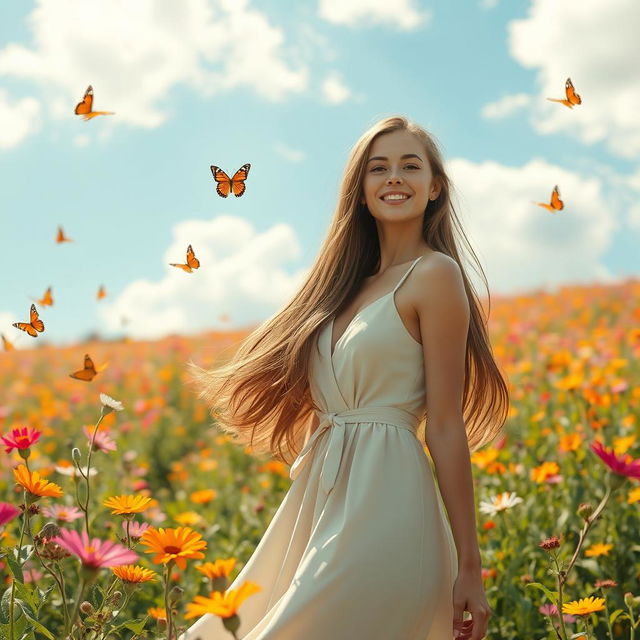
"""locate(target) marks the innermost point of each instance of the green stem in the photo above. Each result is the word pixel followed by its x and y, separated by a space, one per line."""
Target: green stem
pixel 559 603
pixel 25 517
pixel 86 505
pixel 606 610
pixel 167 608
pixel 49 568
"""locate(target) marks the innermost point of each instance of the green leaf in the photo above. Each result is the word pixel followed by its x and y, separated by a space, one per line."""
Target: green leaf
pixel 552 595
pixel 614 615
pixel 15 568
pixel 39 627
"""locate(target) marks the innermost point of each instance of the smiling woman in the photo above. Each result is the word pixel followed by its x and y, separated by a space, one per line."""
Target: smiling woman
pixel 366 543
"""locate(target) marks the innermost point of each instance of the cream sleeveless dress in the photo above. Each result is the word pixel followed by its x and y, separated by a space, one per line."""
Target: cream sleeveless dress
pixel 360 547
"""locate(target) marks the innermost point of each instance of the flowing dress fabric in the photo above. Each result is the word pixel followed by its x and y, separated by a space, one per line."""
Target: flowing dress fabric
pixel 360 547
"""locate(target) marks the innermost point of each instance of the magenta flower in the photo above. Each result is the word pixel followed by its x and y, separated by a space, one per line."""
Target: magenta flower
pixel 622 464
pixel 551 610
pixel 62 513
pixel 102 441
pixel 21 438
pixel 97 553
pixel 8 512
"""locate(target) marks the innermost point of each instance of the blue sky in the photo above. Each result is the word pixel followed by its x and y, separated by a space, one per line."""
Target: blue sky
pixel 289 87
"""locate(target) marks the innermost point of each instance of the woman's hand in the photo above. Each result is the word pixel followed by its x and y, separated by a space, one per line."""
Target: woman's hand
pixel 468 595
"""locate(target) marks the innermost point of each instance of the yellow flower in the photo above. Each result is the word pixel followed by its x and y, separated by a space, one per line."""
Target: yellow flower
pixel 173 544
pixel 598 549
pixel 34 484
pixel 127 504
pixel 220 604
pixel 188 518
pixel 584 606
pixel 133 573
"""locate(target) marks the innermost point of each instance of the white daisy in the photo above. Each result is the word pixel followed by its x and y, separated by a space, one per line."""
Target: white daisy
pixel 72 470
pixel 109 404
pixel 500 502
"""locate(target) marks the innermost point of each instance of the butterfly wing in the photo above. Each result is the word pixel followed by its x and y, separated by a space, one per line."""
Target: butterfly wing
pixel 101 293
pixel 572 96
pixel 25 326
pixel 84 107
pixel 237 182
pixel 86 374
pixel 556 203
pixel 192 261
pixel 184 267
pixel 223 186
pixel 47 300
pixel 37 324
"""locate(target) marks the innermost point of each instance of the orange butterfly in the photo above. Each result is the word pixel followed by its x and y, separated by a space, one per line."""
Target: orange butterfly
pixel 8 346
pixel 192 261
pixel 227 184
pixel 101 292
pixel 89 372
pixel 46 300
pixel 572 96
pixel 33 326
pixel 84 108
pixel 556 203
pixel 61 237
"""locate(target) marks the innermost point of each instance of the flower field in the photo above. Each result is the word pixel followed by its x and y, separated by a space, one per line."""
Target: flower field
pixel 125 514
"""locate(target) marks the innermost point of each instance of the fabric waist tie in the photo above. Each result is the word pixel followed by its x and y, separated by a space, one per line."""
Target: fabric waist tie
pixel 334 423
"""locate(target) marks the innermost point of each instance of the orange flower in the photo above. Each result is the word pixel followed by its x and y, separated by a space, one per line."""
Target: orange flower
pixel 159 613
pixel 127 504
pixel 584 606
pixel 221 604
pixel 203 496
pixel 133 573
pixel 173 544
pixel 217 569
pixel 34 484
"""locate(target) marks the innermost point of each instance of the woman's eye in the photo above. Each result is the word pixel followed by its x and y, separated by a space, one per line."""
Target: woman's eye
pixel 409 165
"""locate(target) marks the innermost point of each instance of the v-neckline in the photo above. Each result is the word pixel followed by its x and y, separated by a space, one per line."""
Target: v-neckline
pixel 331 323
pixel 331 353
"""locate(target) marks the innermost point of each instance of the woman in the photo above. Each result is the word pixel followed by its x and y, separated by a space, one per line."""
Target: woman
pixel 361 545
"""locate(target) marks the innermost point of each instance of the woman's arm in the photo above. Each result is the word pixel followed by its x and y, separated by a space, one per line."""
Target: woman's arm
pixel 443 308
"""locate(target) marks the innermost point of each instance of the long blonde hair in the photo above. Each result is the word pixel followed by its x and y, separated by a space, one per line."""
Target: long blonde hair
pixel 261 396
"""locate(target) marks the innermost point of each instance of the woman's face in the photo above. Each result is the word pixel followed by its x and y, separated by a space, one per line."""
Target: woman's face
pixel 388 171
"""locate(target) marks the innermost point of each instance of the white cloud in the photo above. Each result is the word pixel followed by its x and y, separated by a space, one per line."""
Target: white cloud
pixel 596 45
pixel 364 13
pixel 134 54
pixel 334 89
pixel 292 155
pixel 242 272
pixel 18 119
pixel 521 245
pixel 505 106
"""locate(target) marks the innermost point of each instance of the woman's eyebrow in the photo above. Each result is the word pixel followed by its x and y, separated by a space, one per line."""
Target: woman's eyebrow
pixel 406 155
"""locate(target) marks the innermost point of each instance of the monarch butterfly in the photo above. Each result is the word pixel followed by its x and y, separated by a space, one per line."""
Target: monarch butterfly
pixel 101 293
pixel 89 372
pixel 192 261
pixel 8 346
pixel 225 184
pixel 46 300
pixel 61 237
pixel 556 203
pixel 33 326
pixel 572 96
pixel 84 108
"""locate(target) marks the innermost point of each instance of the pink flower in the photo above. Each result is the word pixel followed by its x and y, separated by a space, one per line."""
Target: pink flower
pixel 31 574
pixel 551 610
pixel 102 441
pixel 97 553
pixel 622 464
pixel 8 512
pixel 136 529
pixel 62 513
pixel 21 438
